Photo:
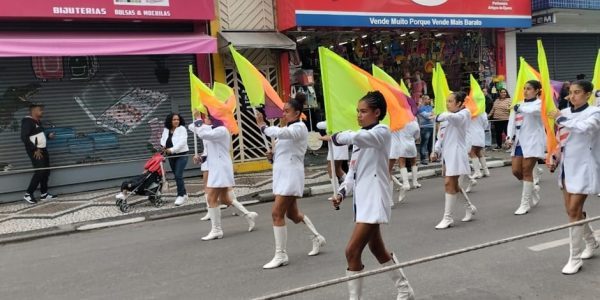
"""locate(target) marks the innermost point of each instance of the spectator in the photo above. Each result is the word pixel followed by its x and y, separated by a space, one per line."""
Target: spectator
pixel 500 113
pixel 34 138
pixel 174 142
pixel 563 101
pixel 425 115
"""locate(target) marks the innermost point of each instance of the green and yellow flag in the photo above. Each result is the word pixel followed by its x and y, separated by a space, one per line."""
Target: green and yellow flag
pixel 440 90
pixel 196 86
pixel 343 86
pixel 547 98
pixel 595 79
pixel 526 73
pixel 403 97
pixel 475 101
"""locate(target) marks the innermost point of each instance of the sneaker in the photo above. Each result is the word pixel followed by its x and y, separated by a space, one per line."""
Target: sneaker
pixel 179 200
pixel 424 162
pixel 47 197
pixel 29 199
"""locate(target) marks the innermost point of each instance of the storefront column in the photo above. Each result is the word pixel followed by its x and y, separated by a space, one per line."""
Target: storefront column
pixel 284 76
pixel 510 38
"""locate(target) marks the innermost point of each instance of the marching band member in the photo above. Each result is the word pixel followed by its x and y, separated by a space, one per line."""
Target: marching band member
pixel 476 137
pixel 337 155
pixel 452 147
pixel 404 148
pixel 288 179
pixel 527 137
pixel 220 179
pixel 369 177
pixel 578 168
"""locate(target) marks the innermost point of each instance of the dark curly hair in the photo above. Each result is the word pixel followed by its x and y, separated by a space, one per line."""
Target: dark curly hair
pixel 298 102
pixel 169 120
pixel 587 86
pixel 375 100
pixel 536 85
pixel 460 97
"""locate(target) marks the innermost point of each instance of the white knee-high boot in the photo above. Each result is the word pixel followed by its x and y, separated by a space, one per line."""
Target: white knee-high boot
pixel 525 198
pixel 591 243
pixel 281 257
pixel 405 291
pixel 405 180
pixel 354 286
pixel 466 182
pixel 447 220
pixel 392 185
pixel 486 170
pixel 575 250
pixel 250 216
pixel 476 167
pixel 317 239
pixel 216 231
pixel 415 176
pixel 470 209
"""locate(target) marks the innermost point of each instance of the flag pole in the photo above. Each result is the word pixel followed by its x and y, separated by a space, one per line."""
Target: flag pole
pixel 334 182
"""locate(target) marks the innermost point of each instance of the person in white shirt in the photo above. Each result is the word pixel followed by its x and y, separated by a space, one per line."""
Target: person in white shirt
pixel 288 179
pixel 337 155
pixel 369 177
pixel 452 149
pixel 220 180
pixel 578 168
pixel 175 147
pixel 527 137
pixel 476 137
pixel 404 149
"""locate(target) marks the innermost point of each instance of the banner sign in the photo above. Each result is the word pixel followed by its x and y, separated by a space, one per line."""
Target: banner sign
pixel 414 13
pixel 109 9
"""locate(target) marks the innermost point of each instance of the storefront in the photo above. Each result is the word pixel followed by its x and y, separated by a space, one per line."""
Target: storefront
pixel 570 34
pixel 107 71
pixel 406 38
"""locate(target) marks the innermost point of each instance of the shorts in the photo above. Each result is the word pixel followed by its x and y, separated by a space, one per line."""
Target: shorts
pixel 518 151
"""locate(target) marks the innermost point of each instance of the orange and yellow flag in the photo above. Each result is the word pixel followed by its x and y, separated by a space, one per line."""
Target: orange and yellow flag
pixel 548 105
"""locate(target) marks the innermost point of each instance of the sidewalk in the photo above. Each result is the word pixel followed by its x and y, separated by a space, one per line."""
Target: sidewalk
pixel 82 211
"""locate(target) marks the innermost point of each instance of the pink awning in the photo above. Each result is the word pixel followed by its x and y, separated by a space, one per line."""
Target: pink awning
pixel 84 44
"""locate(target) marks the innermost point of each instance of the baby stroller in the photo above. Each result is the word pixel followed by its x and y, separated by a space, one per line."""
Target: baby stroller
pixel 149 184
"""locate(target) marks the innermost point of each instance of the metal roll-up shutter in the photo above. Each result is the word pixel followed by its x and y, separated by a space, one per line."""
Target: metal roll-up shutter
pixel 568 54
pixel 102 109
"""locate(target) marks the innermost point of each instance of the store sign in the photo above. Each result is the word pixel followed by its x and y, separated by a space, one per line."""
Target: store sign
pixel 543 19
pixel 109 9
pixel 414 13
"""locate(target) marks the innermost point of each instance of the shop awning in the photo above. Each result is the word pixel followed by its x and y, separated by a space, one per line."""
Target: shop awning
pixel 257 39
pixel 84 44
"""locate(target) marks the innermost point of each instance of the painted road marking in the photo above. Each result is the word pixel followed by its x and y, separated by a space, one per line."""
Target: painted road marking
pixel 556 243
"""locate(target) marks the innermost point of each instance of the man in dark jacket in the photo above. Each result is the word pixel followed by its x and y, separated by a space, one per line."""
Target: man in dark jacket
pixel 34 138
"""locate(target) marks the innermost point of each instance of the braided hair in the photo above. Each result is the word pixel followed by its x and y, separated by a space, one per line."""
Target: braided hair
pixel 375 100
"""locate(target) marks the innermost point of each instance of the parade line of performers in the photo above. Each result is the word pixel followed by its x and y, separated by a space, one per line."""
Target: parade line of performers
pixel 375 151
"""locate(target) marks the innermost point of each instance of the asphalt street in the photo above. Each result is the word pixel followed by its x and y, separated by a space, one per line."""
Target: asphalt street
pixel 166 259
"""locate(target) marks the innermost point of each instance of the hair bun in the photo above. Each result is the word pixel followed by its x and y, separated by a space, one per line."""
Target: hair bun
pixel 300 98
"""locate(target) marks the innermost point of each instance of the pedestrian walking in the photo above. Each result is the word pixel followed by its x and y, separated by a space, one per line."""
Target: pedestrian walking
pixel 452 149
pixel 578 167
pixel 337 155
pixel 220 179
pixel 500 114
pixel 527 138
pixel 34 138
pixel 404 150
pixel 288 179
pixel 425 117
pixel 175 147
pixel 372 193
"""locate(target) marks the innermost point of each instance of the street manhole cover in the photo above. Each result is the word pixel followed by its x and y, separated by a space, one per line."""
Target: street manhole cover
pixel 51 208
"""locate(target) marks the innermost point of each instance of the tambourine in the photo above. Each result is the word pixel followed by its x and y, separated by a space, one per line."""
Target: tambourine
pixel 314 143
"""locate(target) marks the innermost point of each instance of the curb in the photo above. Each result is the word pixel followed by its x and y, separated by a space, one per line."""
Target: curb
pixel 252 199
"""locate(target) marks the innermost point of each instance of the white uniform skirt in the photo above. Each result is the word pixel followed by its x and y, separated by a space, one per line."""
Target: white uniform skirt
pixel 401 147
pixel 288 180
pixel 339 153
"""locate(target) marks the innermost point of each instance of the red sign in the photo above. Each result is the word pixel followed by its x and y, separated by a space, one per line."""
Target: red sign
pixel 383 13
pixel 108 9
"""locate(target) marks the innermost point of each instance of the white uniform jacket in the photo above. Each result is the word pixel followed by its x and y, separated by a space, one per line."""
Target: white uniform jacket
pixel 441 130
pixel 526 129
pixel 476 133
pixel 288 158
pixel 454 145
pixel 179 140
pixel 403 141
pixel 369 175
pixel 217 142
pixel 339 152
pixel 580 161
